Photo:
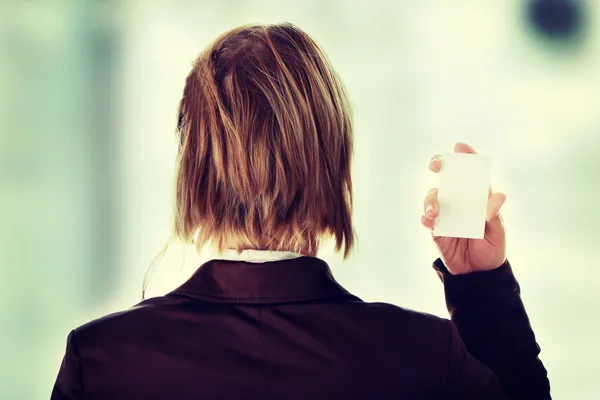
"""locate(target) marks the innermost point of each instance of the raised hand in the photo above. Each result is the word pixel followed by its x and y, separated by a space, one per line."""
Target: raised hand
pixel 463 256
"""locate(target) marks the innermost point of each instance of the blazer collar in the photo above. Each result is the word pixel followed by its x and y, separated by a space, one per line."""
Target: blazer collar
pixel 283 281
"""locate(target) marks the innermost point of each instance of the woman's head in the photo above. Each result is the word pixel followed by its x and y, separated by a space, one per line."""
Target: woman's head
pixel 265 134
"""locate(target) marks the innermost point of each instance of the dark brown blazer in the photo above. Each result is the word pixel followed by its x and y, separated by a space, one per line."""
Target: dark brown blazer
pixel 288 330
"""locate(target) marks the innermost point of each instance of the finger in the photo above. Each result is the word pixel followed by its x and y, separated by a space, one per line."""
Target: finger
pixel 427 222
pixel 461 147
pixel 430 205
pixel 435 163
pixel 495 203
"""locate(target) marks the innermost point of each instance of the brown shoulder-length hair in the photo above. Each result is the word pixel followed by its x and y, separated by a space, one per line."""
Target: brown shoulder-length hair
pixel 265 145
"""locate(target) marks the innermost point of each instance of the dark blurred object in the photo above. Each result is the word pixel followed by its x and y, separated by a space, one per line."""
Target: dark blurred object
pixel 556 19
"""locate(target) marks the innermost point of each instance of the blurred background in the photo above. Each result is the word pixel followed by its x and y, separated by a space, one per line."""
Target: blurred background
pixel 88 97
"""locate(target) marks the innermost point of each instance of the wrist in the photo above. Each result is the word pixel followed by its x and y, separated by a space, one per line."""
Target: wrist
pixel 499 277
pixel 463 268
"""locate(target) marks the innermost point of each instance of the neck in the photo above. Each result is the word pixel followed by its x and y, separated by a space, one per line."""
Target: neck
pixel 252 255
pixel 309 250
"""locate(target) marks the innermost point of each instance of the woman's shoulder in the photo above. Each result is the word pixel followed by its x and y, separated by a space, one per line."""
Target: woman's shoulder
pixel 387 313
pixel 134 321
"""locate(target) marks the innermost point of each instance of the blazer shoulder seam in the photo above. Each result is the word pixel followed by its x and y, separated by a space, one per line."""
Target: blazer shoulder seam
pixel 80 360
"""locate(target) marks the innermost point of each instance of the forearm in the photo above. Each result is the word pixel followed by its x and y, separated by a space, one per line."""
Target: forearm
pixel 487 309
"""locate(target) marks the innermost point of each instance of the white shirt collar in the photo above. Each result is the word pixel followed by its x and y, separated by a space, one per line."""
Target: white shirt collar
pixel 254 256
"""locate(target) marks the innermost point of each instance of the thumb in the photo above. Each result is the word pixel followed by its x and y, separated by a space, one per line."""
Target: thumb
pixel 495 202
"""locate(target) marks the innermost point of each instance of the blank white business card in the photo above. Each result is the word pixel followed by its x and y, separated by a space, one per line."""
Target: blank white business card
pixel 463 195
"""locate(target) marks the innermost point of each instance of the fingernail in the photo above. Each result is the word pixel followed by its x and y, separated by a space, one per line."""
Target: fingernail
pixel 429 210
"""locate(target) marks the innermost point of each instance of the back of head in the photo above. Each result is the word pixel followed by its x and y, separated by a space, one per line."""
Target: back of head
pixel 265 136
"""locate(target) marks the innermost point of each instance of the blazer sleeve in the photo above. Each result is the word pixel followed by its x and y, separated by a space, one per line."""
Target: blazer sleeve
pixel 489 315
pixel 469 379
pixel 69 383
